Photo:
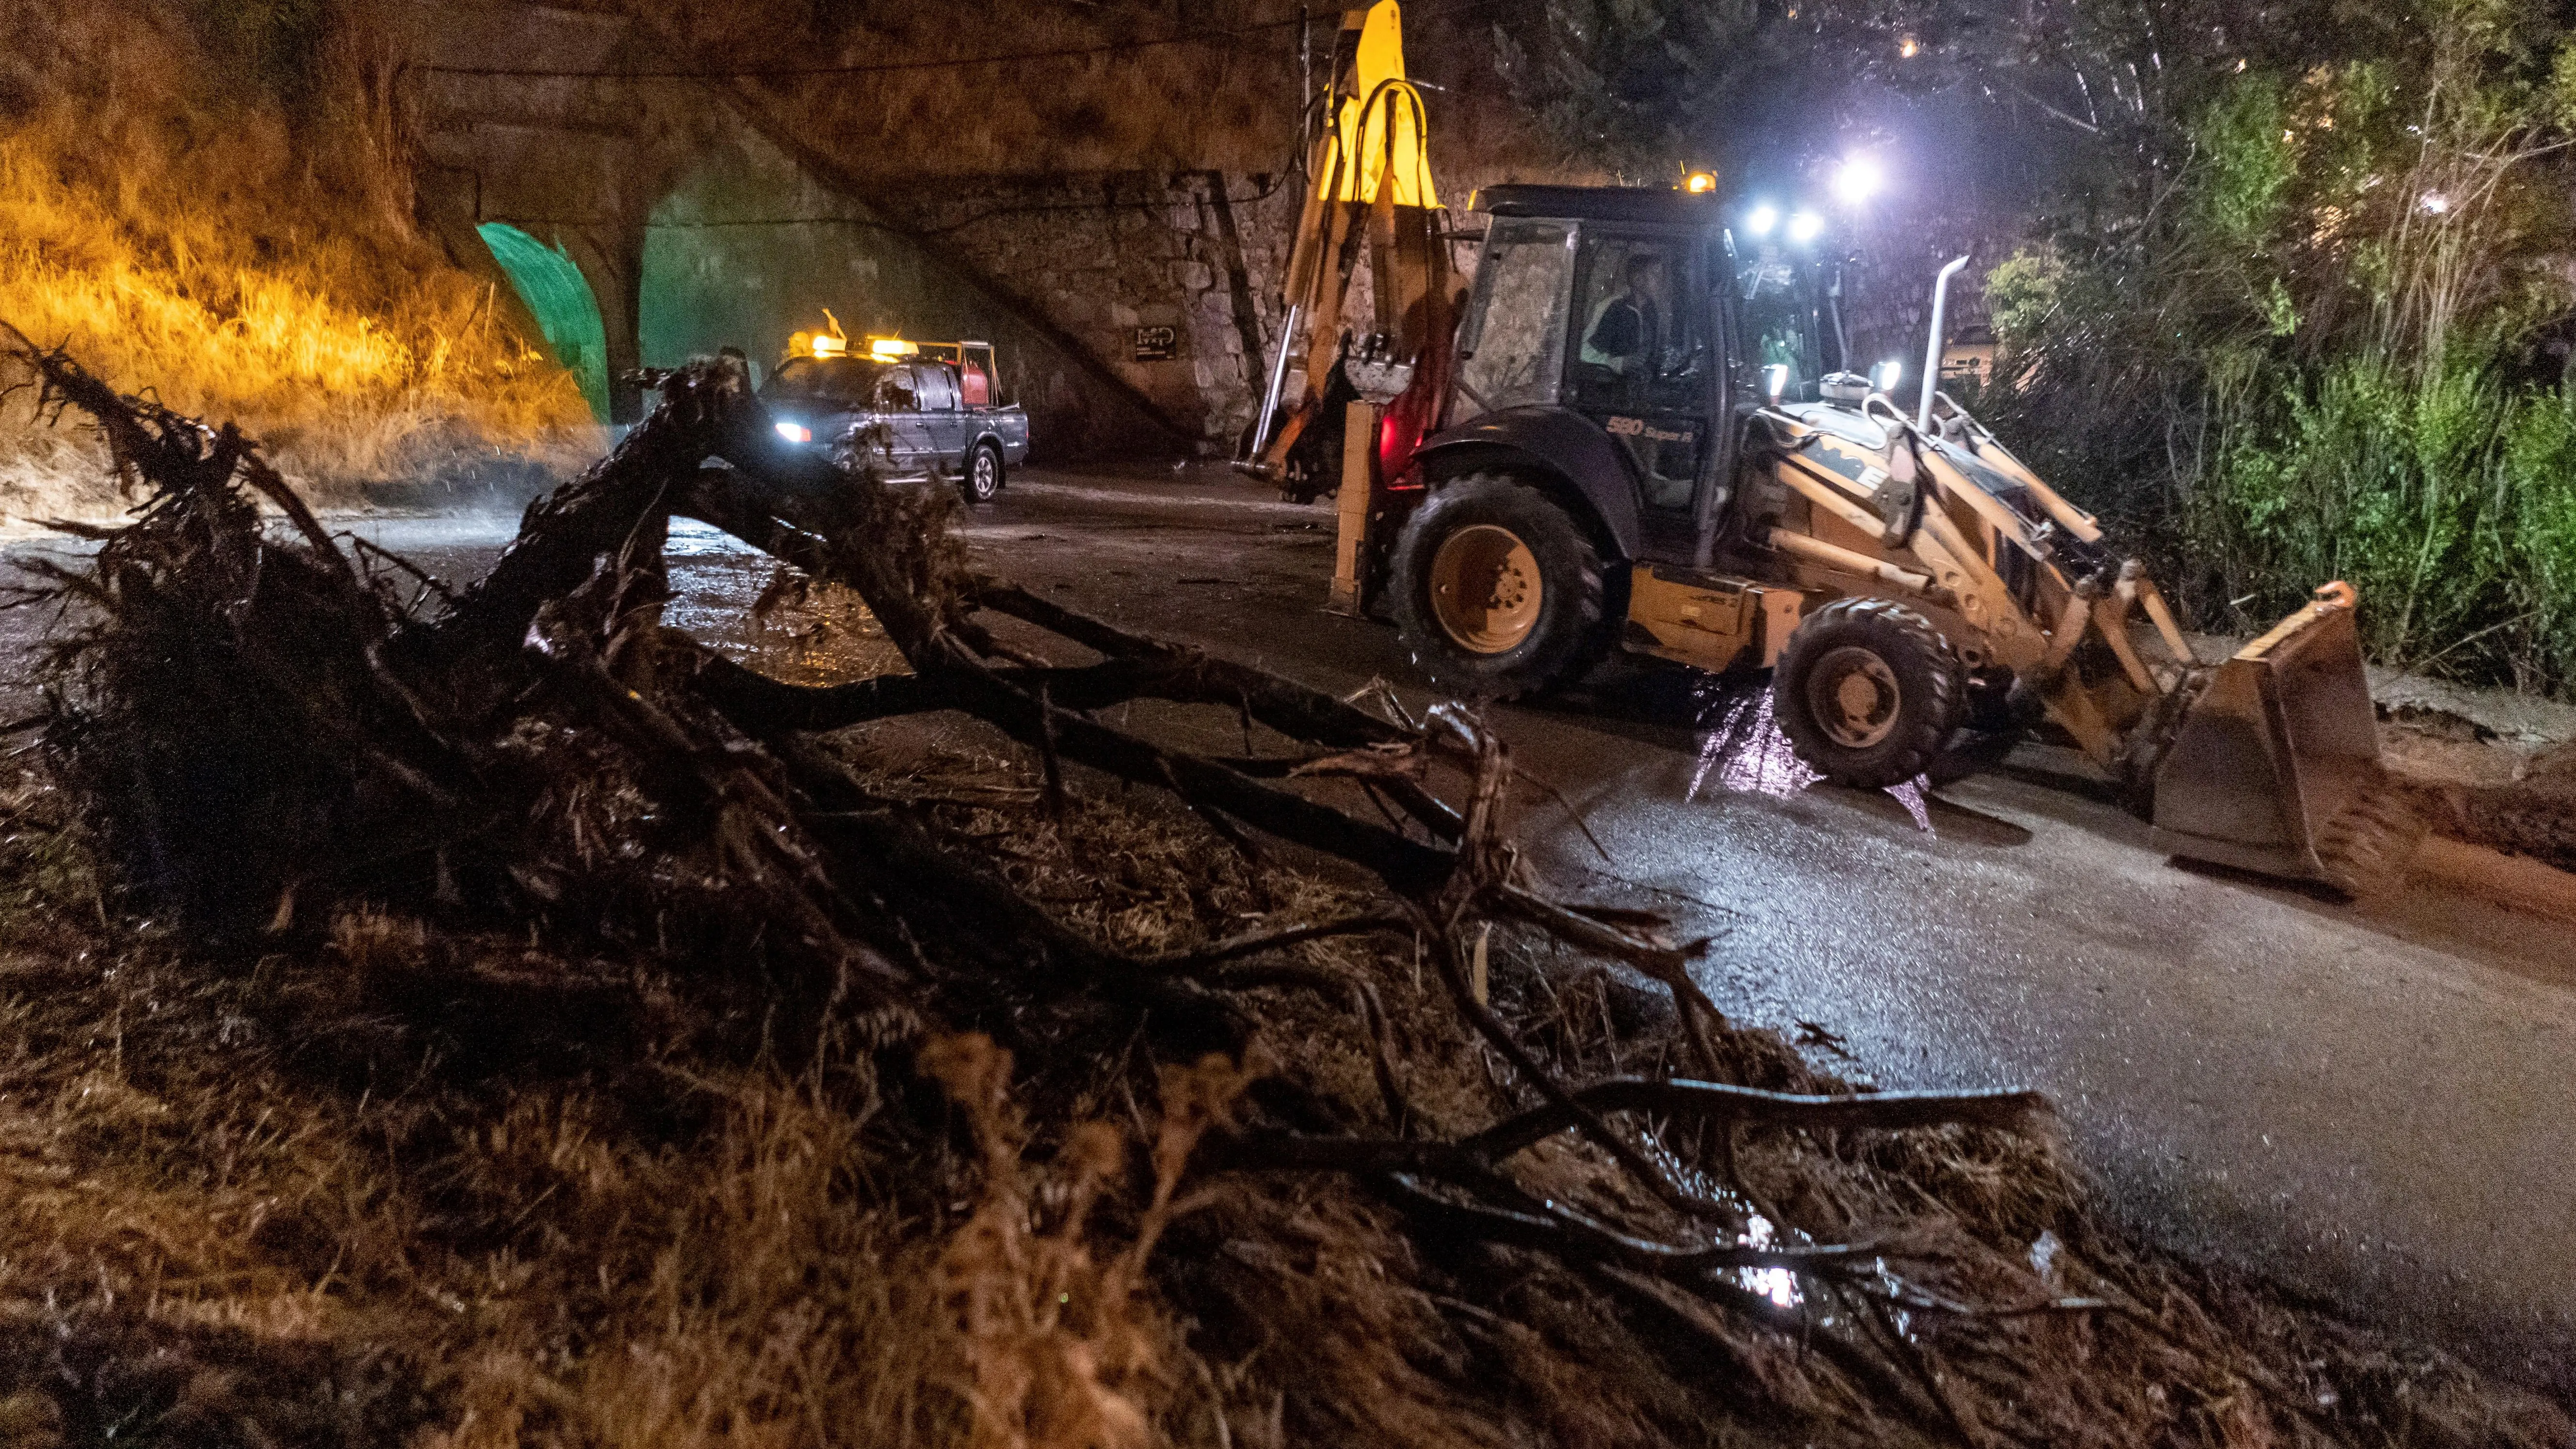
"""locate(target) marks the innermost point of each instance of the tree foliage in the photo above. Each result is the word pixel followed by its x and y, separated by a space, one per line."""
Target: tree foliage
pixel 2332 343
pixel 2299 297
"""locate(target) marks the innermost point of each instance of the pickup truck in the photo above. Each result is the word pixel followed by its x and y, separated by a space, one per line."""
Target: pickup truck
pixel 912 415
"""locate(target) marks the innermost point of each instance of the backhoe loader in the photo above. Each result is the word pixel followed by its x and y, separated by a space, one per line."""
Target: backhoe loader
pixel 1644 434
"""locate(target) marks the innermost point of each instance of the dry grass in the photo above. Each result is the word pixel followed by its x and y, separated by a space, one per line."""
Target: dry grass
pixel 485 1195
pixel 244 259
pixel 232 1171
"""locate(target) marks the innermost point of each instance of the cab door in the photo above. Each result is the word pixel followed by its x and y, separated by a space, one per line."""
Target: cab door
pixel 1642 350
pixel 943 426
pixel 898 403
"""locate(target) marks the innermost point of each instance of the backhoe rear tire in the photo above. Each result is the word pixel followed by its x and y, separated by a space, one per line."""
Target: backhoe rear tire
pixel 1868 692
pixel 1496 592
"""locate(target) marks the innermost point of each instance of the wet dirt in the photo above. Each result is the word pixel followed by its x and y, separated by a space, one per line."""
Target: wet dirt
pixel 2518 797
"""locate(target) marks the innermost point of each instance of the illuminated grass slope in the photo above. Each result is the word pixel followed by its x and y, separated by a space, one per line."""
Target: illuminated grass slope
pixel 246 257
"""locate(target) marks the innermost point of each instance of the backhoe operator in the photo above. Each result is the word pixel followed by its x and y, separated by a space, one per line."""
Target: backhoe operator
pixel 1625 330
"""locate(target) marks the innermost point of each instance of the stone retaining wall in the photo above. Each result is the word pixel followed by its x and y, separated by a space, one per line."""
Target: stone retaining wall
pixel 1113 259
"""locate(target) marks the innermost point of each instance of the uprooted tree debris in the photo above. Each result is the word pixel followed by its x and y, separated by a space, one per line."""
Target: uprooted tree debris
pixel 1432 1155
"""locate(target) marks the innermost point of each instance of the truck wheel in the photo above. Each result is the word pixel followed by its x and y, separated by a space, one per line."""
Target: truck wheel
pixel 1867 691
pixel 983 477
pixel 1496 591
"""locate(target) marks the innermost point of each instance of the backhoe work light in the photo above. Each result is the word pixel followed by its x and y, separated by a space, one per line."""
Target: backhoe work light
pixel 1761 219
pixel 1858 179
pixel 1804 227
pixel 1886 375
pixel 795 432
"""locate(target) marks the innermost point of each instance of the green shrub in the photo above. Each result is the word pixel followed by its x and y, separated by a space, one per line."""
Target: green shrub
pixel 2314 352
pixel 2538 533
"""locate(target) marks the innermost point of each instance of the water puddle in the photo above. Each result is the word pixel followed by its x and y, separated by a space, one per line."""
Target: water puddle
pixel 1780 1285
pixel 1743 752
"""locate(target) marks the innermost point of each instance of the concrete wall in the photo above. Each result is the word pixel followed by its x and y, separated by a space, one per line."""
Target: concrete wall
pixel 748 247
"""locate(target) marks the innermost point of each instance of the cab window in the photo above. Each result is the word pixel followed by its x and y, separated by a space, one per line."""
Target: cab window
pixel 895 391
pixel 1640 360
pixel 1514 350
pixel 847 381
pixel 1785 326
pixel 1638 346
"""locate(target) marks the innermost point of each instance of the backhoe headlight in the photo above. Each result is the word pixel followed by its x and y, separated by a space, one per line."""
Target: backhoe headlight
pixel 795 432
pixel 1761 219
pixel 1775 380
pixel 1804 227
pixel 1885 376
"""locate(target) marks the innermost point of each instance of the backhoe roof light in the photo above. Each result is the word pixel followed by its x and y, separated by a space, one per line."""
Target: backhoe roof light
pixel 1701 183
pixel 1858 179
pixel 827 345
pixel 891 347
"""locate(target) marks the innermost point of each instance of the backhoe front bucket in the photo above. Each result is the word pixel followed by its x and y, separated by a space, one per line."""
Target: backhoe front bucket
pixel 2276 767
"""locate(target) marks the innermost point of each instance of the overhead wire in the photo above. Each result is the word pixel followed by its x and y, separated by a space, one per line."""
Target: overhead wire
pixel 1294 170
pixel 1071 52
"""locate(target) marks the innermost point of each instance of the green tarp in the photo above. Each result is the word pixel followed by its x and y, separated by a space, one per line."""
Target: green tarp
pixel 546 279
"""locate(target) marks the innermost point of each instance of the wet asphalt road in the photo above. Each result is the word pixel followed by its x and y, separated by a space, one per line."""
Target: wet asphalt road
pixel 2369 1105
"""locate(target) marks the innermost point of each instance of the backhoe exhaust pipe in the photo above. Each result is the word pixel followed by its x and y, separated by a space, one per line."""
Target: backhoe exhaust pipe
pixel 1932 348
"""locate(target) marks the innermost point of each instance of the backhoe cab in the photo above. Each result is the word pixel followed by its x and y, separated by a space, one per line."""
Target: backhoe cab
pixel 1654 441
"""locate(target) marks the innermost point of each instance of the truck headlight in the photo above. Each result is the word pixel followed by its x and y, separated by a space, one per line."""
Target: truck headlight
pixel 795 432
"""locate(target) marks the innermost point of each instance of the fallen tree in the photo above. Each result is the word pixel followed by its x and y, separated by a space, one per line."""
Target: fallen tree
pixel 274 733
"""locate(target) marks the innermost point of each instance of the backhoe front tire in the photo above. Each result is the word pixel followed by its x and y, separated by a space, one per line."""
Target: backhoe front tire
pixel 1496 592
pixel 1868 692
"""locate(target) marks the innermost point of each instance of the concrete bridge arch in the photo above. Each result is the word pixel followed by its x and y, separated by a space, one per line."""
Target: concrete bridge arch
pixel 694 222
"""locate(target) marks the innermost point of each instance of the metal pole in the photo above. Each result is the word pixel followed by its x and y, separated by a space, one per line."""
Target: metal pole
pixel 1932 349
pixel 1278 382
